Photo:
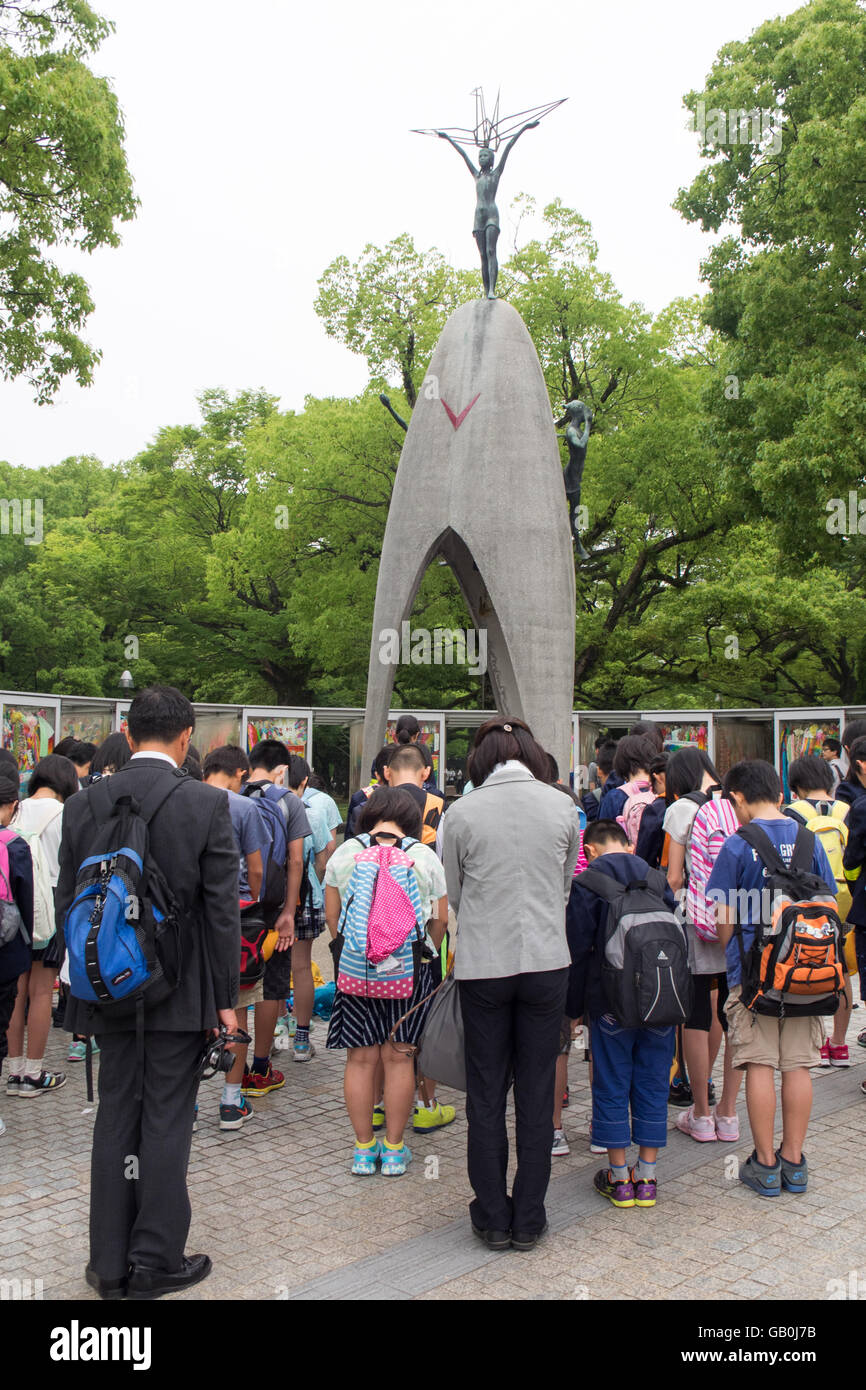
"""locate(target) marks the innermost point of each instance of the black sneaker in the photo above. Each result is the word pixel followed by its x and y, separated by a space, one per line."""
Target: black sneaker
pixel 36 1086
pixel 680 1094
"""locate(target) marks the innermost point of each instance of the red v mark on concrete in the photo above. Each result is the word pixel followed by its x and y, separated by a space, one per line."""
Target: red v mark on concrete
pixel 457 420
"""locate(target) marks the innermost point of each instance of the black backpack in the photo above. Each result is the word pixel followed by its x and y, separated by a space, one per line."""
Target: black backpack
pixel 645 955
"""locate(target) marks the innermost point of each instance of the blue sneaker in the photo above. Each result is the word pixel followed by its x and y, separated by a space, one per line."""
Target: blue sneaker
pixel 195 1121
pixel 364 1160
pixel 767 1182
pixel 795 1176
pixel 395 1161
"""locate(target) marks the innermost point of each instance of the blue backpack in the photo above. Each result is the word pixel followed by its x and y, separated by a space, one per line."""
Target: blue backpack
pixel 122 929
pixel 356 973
pixel 268 800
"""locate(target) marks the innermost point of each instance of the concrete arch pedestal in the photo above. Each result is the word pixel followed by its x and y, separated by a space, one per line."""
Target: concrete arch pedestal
pixel 480 484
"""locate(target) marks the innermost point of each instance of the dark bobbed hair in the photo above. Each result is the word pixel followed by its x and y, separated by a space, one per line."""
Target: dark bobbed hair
pixel 65 746
pixel 381 761
pixel 227 759
pixel 602 832
pixel 857 751
pixel 113 752
pixel 755 780
pixel 55 772
pixel 192 752
pixel 10 789
pixel 501 739
pixel 685 772
pixel 192 768
pixel 833 744
pixel 8 760
pixel 851 732
pixel 811 775
pixel 394 804
pixel 648 728
pixel 634 753
pixel 299 771
pixel 316 782
pixel 160 713
pixel 270 753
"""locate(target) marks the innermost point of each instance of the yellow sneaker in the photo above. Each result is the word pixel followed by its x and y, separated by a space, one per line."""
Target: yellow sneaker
pixel 433 1117
pixel 378 1116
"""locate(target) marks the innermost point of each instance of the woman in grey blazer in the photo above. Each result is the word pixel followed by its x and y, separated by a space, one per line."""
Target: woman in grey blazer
pixel 510 848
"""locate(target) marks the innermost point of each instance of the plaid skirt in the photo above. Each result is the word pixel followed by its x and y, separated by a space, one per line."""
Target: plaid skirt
pixel 360 1022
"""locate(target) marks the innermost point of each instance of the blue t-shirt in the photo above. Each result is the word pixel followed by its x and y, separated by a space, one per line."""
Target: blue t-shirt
pixel 314 797
pixel 739 870
pixel 250 834
pixel 318 839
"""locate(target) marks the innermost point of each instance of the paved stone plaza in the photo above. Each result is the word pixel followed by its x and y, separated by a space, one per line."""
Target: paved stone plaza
pixel 276 1208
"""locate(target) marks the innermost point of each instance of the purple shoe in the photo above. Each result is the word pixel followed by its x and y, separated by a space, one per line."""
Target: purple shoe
pixel 620 1193
pixel 644 1190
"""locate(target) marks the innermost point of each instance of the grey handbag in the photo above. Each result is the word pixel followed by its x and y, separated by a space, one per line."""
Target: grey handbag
pixel 442 1055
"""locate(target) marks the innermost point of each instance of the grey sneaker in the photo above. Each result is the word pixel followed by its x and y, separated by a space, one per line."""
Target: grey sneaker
pixel 795 1176
pixel 767 1182
pixel 38 1085
pixel 560 1144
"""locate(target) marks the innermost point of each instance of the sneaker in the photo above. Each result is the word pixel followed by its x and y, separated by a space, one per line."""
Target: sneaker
pixel 863 1087
pixel 38 1085
pixel 259 1083
pixel 767 1182
pixel 560 1144
pixel 195 1121
pixel 861 1038
pixel 364 1160
pixel 432 1117
pixel 644 1190
pixel 711 1094
pixel 13 1085
pixel 595 1148
pixel 565 1096
pixel 78 1051
pixel 839 1055
pixel 825 1053
pixel 395 1161
pixel 727 1127
pixel 617 1191
pixel 700 1127
pixel 2 1126
pixel 680 1094
pixel 378 1116
pixel 234 1116
pixel 303 1051
pixel 795 1176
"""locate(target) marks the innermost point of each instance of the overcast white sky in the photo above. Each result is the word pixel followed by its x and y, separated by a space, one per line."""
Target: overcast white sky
pixel 267 138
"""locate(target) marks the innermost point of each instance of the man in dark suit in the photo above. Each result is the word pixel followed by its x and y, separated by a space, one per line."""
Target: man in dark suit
pixel 139 1205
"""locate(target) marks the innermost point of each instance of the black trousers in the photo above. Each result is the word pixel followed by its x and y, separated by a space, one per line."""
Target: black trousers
pixel 511 1024
pixel 139 1205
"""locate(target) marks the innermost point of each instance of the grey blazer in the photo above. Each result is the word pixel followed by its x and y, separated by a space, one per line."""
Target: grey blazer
pixel 509 850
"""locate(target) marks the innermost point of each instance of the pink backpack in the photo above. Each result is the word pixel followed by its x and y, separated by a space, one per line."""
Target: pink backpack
pixel 392 915
pixel 639 794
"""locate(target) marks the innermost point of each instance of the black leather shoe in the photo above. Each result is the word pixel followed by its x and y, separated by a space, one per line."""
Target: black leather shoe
pixel 494 1240
pixel 524 1240
pixel 153 1283
pixel 106 1288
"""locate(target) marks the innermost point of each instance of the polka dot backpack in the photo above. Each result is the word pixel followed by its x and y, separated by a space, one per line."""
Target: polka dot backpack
pixel 380 934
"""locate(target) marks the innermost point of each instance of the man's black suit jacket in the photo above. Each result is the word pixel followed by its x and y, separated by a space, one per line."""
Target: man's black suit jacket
pixel 191 840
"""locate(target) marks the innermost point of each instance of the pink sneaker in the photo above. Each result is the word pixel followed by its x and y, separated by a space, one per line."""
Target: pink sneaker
pixel 727 1127
pixel 703 1129
pixel 839 1055
pixel 825 1053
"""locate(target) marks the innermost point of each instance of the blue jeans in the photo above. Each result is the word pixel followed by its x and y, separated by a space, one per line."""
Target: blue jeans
pixel 630 1066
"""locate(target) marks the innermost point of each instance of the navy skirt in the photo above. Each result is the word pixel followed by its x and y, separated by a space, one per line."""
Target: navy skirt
pixel 360 1022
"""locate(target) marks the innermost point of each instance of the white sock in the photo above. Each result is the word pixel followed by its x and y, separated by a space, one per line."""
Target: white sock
pixel 15 1065
pixel 33 1067
pixel 231 1095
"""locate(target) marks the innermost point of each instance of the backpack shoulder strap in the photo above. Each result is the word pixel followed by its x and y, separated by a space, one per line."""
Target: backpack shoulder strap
pixel 804 850
pixel 657 881
pixel 763 846
pixel 601 884
pixel 699 798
